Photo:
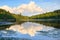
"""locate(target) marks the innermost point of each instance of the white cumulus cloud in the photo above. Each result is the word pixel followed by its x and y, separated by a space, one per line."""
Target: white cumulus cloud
pixel 24 8
pixel 7 8
pixel 29 8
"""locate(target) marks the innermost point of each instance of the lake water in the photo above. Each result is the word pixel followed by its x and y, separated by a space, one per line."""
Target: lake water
pixel 30 31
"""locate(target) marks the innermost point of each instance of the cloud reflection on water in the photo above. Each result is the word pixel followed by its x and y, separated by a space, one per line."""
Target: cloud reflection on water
pixel 29 28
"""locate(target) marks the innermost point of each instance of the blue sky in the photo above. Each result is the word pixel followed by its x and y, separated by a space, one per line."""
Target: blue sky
pixel 48 5
pixel 13 3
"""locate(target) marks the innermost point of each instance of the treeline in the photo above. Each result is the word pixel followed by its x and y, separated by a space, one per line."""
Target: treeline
pixel 20 18
pixel 48 15
pixel 7 16
pixel 11 17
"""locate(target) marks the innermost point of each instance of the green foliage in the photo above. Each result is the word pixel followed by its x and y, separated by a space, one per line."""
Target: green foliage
pixel 49 15
pixel 6 16
pixel 20 18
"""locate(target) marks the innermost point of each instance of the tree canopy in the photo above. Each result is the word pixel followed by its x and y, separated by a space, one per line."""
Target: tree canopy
pixel 48 15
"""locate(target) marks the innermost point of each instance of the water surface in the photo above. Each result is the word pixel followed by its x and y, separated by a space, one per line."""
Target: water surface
pixel 30 31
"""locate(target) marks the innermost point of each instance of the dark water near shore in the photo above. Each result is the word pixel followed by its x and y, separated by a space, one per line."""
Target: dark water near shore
pixel 31 31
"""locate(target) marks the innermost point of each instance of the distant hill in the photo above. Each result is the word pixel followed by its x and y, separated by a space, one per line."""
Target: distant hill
pixel 48 15
pixel 6 16
pixel 11 17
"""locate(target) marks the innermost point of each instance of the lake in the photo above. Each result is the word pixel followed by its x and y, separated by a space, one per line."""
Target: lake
pixel 31 31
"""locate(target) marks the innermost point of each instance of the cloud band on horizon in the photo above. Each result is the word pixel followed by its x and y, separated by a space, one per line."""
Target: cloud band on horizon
pixel 30 8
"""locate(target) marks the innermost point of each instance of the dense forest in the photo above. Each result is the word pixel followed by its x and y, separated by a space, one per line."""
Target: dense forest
pixel 11 17
pixel 48 15
pixel 7 16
